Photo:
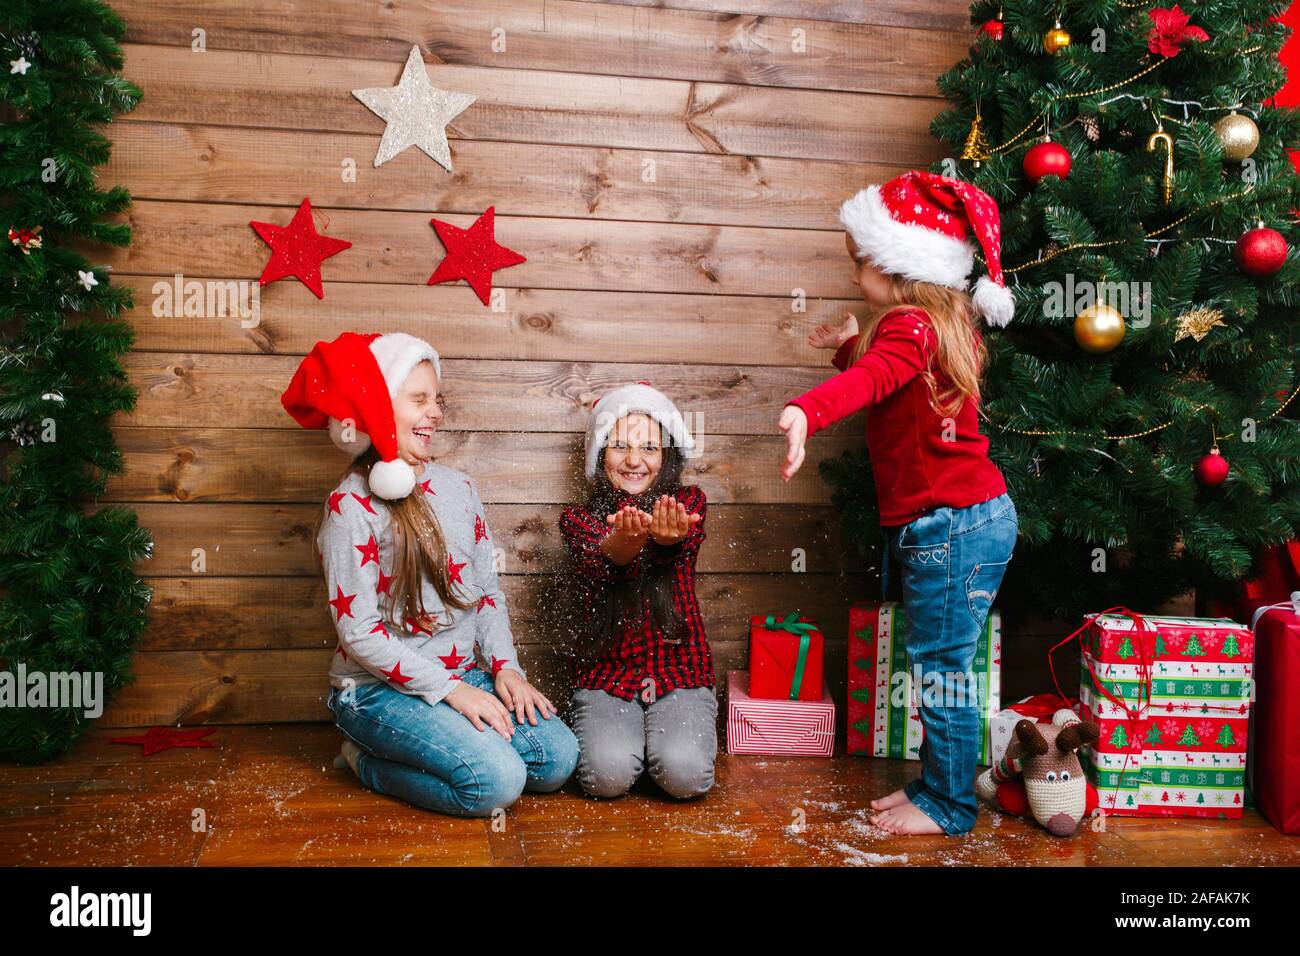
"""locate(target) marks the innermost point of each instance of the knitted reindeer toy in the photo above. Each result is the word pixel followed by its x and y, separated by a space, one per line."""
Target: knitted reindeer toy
pixel 1041 774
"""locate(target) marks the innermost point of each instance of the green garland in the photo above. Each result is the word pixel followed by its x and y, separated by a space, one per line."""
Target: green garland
pixel 70 600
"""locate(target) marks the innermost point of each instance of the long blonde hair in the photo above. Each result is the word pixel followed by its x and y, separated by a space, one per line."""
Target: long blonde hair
pixel 961 353
pixel 420 551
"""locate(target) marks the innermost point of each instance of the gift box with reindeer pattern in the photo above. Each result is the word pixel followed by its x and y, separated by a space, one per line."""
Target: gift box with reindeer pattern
pixel 1172 697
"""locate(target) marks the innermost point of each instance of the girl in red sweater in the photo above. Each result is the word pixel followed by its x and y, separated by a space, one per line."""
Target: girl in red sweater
pixel 944 510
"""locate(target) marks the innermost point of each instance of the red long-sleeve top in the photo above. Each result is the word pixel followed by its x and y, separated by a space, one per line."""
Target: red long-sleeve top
pixel 918 463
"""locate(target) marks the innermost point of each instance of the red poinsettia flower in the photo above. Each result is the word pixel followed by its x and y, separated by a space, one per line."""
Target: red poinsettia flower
pixel 1170 30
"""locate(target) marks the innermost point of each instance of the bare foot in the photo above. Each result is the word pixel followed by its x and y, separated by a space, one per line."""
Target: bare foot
pixel 828 336
pixel 899 796
pixel 906 820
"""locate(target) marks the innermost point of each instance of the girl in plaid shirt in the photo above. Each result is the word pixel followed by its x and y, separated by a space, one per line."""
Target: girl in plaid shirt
pixel 644 697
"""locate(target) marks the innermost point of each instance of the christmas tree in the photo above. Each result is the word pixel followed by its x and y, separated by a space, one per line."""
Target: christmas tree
pixel 70 600
pixel 1189 738
pixel 1133 157
pixel 1119 738
pixel 1225 738
pixel 1230 646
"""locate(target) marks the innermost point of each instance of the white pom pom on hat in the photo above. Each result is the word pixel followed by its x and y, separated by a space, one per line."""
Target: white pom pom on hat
pixel 355 379
pixel 617 403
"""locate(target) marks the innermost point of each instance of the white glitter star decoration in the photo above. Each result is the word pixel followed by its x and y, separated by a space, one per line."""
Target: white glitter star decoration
pixel 87 280
pixel 19 65
pixel 417 113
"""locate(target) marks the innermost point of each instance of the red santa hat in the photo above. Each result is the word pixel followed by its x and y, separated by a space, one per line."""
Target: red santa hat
pixel 354 380
pixel 629 400
pixel 919 226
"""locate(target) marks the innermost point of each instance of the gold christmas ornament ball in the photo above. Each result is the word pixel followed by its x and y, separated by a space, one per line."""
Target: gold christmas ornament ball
pixel 1238 135
pixel 1099 328
pixel 1056 39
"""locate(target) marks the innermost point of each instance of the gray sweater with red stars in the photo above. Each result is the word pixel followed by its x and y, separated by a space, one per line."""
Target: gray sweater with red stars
pixel 424 659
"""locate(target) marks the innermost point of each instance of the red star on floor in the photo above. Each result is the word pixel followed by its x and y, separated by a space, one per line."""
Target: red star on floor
pixel 297 249
pixel 342 604
pixel 480 529
pixel 452 660
pixel 473 254
pixel 157 739
pixel 396 675
pixel 369 551
pixel 453 569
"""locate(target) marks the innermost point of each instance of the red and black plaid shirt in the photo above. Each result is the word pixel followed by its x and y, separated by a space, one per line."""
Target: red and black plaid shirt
pixel 641 650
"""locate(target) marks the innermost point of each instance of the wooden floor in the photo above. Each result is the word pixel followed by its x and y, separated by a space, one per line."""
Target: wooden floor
pixel 271 795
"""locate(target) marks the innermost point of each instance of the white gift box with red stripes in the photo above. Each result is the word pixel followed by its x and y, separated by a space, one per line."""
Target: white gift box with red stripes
pixel 763 726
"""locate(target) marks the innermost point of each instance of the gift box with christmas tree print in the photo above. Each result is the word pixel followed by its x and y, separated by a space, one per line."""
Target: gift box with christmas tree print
pixel 884 716
pixel 1172 698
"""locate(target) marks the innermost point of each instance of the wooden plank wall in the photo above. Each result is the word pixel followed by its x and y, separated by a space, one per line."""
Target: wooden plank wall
pixel 686 281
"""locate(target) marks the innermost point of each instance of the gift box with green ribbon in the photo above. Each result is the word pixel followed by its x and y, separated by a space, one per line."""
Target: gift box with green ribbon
pixel 785 658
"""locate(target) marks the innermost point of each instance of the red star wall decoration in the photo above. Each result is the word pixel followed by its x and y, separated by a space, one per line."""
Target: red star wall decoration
pixel 297 249
pixel 473 254
pixel 157 739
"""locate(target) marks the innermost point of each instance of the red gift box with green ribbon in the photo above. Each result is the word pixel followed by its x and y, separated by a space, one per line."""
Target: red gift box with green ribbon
pixel 785 658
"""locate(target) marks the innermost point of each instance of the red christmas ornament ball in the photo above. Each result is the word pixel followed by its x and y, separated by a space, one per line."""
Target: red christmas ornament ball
pixel 1260 251
pixel 1212 469
pixel 1047 159
pixel 992 28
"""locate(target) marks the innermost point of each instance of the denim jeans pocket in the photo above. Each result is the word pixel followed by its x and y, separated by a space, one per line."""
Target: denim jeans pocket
pixel 982 588
pixel 925 541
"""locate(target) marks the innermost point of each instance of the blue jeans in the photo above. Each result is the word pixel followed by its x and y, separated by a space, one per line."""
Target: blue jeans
pixel 433 757
pixel 952 561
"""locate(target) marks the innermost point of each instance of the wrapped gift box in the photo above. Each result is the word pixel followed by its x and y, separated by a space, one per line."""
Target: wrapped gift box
pixel 785 658
pixel 1173 738
pixel 1274 761
pixel 1039 708
pixel 884 715
pixel 761 726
